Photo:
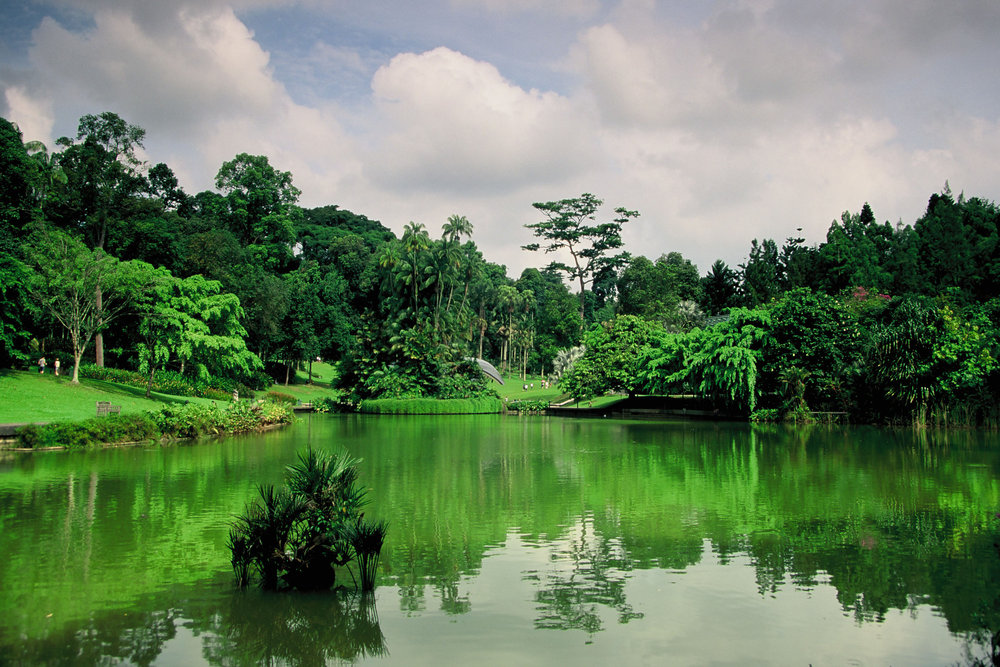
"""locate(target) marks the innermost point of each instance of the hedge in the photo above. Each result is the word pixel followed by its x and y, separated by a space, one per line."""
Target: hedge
pixel 172 421
pixel 430 406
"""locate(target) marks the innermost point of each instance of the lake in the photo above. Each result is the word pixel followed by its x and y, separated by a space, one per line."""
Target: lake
pixel 522 540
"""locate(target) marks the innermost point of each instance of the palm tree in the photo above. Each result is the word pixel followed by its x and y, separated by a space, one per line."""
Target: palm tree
pixel 456 227
pixel 415 242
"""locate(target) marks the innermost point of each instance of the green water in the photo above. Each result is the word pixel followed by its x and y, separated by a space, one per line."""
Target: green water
pixel 522 541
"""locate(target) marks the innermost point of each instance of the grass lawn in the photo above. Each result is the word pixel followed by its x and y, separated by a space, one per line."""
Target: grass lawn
pixel 323 375
pixel 26 396
pixel 513 390
pixel 598 402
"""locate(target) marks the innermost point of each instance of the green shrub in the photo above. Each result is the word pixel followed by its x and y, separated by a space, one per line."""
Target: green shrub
pixel 36 436
pixel 281 397
pixel 766 415
pixel 113 429
pixel 174 421
pixel 331 404
pixel 295 537
pixel 275 413
pixel 527 406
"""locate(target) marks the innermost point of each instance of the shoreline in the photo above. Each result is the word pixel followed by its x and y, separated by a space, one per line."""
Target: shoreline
pixel 8 442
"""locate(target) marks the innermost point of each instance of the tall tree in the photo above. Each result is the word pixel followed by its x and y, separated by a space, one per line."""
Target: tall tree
pixel 760 273
pixel 16 210
pixel 261 210
pixel 67 279
pixel 570 226
pixel 720 288
pixel 104 172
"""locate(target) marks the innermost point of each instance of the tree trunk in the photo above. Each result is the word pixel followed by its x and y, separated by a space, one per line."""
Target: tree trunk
pixel 310 371
pixel 149 383
pixel 288 371
pixel 99 337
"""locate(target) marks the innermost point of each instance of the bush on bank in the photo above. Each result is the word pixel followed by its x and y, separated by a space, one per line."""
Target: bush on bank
pixel 430 406
pixel 114 429
pixel 172 421
pixel 528 406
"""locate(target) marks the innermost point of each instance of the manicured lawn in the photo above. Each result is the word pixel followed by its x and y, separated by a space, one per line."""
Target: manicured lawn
pixel 323 376
pixel 26 396
pixel 513 390
pixel 599 402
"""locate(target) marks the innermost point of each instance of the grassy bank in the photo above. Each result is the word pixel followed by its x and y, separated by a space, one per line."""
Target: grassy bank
pixel 26 396
pixel 300 389
pixel 169 422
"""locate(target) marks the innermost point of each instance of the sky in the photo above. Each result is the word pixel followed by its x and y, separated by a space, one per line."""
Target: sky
pixel 720 122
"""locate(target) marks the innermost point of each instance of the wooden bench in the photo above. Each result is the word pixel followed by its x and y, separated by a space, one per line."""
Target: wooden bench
pixel 105 408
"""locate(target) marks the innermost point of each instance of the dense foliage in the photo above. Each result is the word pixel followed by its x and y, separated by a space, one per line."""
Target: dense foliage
pixel 105 258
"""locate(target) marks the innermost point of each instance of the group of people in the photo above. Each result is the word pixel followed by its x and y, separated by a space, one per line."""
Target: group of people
pixel 42 363
pixel 544 384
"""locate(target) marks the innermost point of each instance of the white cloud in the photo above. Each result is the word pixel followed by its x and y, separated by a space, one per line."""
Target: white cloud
pixel 207 65
pixel 578 8
pixel 653 81
pixel 453 124
pixel 33 116
pixel 739 120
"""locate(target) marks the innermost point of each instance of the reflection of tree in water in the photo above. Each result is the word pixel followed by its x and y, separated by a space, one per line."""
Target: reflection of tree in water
pixel 983 644
pixel 266 629
pixel 574 597
pixel 253 628
pixel 136 638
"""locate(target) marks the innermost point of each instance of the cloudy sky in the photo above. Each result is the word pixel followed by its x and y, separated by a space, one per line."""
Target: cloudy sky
pixel 719 121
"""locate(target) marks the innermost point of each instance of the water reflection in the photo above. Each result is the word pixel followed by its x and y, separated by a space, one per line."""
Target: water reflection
pixel 106 551
pixel 587 575
pixel 244 628
pixel 293 629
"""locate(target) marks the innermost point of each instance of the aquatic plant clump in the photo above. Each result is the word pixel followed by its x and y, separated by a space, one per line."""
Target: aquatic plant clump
pixel 295 537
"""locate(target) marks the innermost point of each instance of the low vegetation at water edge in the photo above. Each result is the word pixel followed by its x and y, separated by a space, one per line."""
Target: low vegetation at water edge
pixel 179 421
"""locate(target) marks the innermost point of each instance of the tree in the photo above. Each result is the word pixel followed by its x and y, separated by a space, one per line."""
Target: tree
pixel 556 320
pixel 316 324
pixel 191 321
pixel 261 210
pixel 929 357
pixel 720 288
pixel 856 253
pixel 566 228
pixel 760 273
pixel 103 173
pixel 654 289
pixel 816 335
pixel 16 209
pixel 67 280
pixel 612 358
pixel 796 264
